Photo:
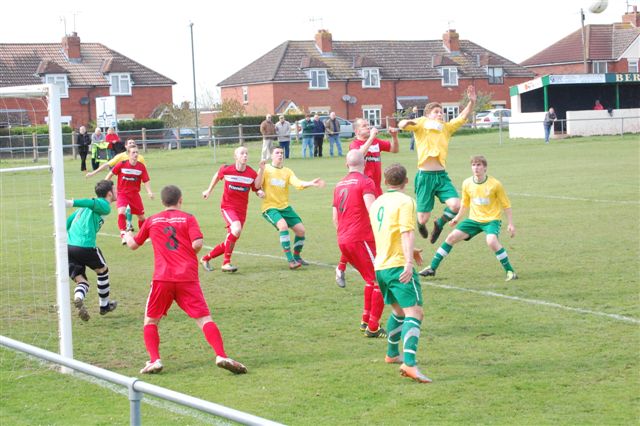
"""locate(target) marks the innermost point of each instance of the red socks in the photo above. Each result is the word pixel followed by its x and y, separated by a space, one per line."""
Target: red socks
pixel 152 341
pixel 214 338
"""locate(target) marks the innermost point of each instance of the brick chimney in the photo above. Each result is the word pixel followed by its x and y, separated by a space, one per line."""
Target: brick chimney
pixel 324 41
pixel 71 47
pixel 451 40
pixel 632 17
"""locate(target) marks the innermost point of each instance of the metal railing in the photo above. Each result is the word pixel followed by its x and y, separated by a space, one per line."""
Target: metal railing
pixel 137 387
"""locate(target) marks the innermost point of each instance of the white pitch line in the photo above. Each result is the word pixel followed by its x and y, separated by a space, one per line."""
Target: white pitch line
pixel 560 197
pixel 535 302
pixel 616 317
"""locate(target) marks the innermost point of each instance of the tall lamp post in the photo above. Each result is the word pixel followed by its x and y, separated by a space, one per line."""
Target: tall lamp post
pixel 195 96
pixel 584 44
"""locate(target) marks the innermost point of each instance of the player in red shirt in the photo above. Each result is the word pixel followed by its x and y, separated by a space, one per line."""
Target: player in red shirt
pixel 239 179
pixel 371 147
pixel 352 198
pixel 176 239
pixel 130 174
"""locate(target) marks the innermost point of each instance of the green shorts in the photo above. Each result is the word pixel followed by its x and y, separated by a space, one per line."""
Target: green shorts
pixel 288 214
pixel 404 294
pixel 429 185
pixel 473 228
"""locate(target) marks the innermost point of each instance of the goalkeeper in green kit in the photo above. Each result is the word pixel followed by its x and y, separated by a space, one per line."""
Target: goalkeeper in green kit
pixel 82 227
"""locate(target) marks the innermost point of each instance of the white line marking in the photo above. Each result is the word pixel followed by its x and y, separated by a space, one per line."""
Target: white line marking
pixel 535 302
pixel 560 197
pixel 616 317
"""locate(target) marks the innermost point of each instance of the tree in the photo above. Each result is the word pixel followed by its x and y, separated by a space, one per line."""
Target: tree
pixel 176 116
pixel 483 101
pixel 230 108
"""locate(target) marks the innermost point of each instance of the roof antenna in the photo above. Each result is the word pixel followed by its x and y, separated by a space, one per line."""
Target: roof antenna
pixel 314 19
pixel 74 20
pixel 64 22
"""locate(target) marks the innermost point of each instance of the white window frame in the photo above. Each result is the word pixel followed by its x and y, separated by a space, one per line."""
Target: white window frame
pixel 60 81
pixel 316 77
pixel 449 76
pixel 596 67
pixel 496 75
pixel 245 95
pixel 120 78
pixel 373 115
pixel 450 112
pixel 632 65
pixel 370 78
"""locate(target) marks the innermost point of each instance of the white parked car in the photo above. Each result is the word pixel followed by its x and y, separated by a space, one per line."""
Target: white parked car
pixel 346 127
pixel 492 117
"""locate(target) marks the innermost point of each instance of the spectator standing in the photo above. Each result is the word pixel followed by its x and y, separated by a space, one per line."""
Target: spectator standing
pixel 307 136
pixel 268 130
pixel 318 136
pixel 83 141
pixel 283 131
pixel 549 118
pixel 97 145
pixel 332 129
pixel 598 106
pixel 115 145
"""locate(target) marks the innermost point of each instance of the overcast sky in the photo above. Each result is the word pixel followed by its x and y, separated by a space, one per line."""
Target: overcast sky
pixel 229 35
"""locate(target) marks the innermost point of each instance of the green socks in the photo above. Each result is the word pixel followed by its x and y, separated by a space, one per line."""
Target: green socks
pixel 285 242
pixel 298 244
pixel 394 330
pixel 442 251
pixel 447 215
pixel 503 258
pixel 410 338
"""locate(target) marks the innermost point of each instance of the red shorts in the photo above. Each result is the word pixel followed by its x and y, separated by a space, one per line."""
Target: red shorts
pixel 361 255
pixel 188 295
pixel 230 216
pixel 131 199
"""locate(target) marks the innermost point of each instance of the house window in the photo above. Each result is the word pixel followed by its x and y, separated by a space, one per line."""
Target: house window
pixel 599 67
pixel 245 95
pixel 450 112
pixel 496 75
pixel 319 79
pixel 370 77
pixel 120 84
pixel 373 116
pixel 449 76
pixel 61 83
pixel 633 65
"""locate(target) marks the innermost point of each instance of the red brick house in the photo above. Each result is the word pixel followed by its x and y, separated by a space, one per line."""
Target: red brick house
pixel 82 72
pixel 371 79
pixel 611 48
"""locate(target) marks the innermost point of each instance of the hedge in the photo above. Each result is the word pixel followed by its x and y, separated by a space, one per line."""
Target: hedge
pixel 150 123
pixel 226 128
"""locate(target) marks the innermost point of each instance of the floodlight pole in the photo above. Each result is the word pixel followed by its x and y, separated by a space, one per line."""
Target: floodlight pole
pixel 195 96
pixel 584 43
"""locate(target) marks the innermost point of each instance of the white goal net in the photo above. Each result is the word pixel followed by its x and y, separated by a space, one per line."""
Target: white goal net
pixel 34 285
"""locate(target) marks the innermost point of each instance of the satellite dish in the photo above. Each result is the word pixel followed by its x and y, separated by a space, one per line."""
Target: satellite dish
pixel 346 98
pixel 353 100
pixel 598 6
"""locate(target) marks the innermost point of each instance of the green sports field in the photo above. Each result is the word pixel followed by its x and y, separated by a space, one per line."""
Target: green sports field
pixel 560 345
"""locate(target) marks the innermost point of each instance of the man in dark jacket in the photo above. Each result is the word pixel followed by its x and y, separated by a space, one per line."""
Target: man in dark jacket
pixel 318 136
pixel 83 141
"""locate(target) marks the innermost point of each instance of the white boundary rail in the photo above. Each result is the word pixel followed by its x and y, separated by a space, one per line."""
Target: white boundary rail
pixel 137 388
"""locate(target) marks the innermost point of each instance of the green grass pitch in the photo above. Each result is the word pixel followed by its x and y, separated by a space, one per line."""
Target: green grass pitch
pixel 558 346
